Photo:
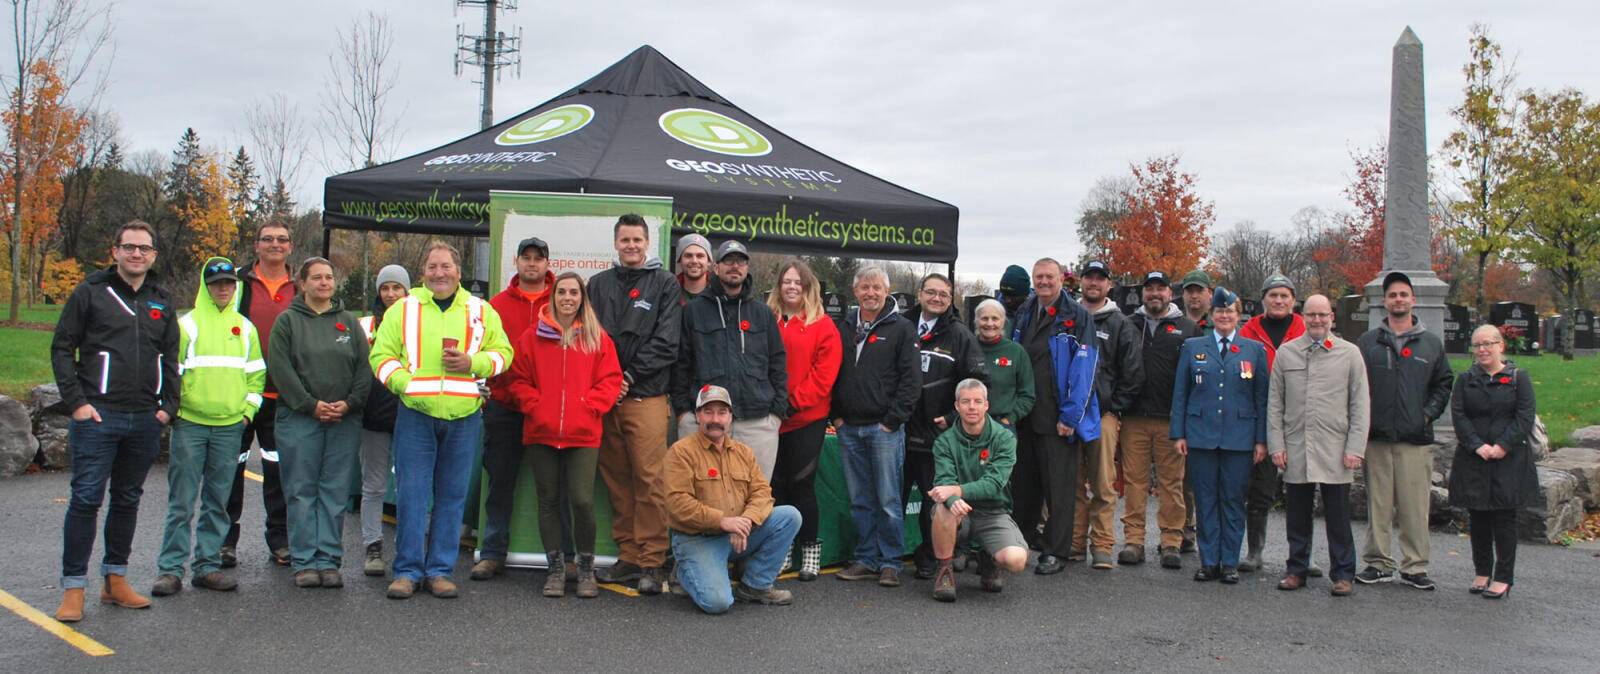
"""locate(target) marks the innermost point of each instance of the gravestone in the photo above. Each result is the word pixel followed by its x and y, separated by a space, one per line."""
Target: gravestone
pixel 1583 330
pixel 969 304
pixel 1128 298
pixel 1249 309
pixel 1520 316
pixel 833 305
pixel 1457 329
pixel 1553 335
pixel 904 300
pixel 1350 320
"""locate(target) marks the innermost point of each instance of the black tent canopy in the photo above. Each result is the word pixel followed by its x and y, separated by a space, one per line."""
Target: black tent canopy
pixel 644 126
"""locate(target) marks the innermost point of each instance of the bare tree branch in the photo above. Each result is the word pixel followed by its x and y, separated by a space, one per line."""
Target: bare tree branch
pixel 357 121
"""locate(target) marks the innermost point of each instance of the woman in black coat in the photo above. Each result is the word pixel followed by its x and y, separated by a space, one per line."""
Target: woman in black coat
pixel 1493 474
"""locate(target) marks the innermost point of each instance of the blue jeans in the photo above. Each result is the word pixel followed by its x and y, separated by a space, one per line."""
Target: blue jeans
pixel 1221 478
pixel 703 560
pixel 432 460
pixel 118 450
pixel 873 464
pixel 199 465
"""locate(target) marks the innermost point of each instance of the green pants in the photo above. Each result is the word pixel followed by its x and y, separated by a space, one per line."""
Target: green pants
pixel 317 462
pixel 201 465
pixel 579 464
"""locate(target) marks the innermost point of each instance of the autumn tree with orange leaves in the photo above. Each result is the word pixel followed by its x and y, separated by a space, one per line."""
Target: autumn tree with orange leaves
pixel 43 137
pixel 1166 225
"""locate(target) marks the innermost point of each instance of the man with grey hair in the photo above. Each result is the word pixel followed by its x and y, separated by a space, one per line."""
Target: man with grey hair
pixel 878 386
pixel 972 473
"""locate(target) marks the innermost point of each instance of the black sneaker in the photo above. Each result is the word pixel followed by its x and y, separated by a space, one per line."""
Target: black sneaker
pixel 230 557
pixel 1421 581
pixel 1371 575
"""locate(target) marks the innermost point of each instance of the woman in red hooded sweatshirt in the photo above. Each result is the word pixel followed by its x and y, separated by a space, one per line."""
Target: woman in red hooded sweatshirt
pixel 565 377
pixel 811 344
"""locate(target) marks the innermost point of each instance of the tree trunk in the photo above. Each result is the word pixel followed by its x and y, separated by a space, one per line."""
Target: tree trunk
pixel 1567 330
pixel 1483 265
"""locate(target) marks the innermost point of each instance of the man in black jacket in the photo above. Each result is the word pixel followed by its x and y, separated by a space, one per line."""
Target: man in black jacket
pixel 880 378
pixel 1116 382
pixel 950 354
pixel 1162 327
pixel 1409 379
pixel 639 304
pixel 731 339
pixel 115 360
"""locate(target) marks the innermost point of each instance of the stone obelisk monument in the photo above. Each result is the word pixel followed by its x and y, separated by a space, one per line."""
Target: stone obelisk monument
pixel 1406 237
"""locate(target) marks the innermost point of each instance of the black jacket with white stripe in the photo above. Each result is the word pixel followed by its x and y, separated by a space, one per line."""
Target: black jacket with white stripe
pixel 117 348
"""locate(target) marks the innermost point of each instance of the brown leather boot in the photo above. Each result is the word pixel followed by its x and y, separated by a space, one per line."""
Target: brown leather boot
pixel 117 591
pixel 71 609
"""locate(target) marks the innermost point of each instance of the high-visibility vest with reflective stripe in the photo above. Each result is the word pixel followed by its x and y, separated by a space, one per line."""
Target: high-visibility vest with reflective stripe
pixel 221 365
pixel 408 349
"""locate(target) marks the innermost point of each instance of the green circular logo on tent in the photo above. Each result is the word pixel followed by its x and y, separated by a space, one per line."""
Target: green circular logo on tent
pixel 547 125
pixel 718 133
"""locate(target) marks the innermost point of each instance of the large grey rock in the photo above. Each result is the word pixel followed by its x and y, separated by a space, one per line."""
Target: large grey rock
pixel 1588 436
pixel 54 453
pixel 1561 511
pixel 1583 464
pixel 46 399
pixel 17 444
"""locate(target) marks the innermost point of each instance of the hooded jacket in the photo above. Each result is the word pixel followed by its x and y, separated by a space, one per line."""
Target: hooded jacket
pixel 1409 378
pixel 880 375
pixel 641 310
pixel 981 465
pixel 562 390
pixel 117 348
pixel 1119 373
pixel 732 341
pixel 519 312
pixel 1254 329
pixel 382 404
pixel 220 362
pixel 408 353
pixel 1158 357
pixel 813 353
pixel 949 354
pixel 319 357
pixel 1064 356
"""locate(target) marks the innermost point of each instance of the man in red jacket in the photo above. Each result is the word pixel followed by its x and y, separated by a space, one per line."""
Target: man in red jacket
pixel 518 305
pixel 1278 325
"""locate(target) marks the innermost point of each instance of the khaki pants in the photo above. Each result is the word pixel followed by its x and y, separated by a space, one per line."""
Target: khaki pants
pixel 1097 496
pixel 632 451
pixel 1399 476
pixel 1145 445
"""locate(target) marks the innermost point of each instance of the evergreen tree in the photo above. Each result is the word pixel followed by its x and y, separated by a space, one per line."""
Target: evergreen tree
pixel 242 203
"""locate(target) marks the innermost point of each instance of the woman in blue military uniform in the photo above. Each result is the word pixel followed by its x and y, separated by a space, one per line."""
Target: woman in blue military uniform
pixel 1223 438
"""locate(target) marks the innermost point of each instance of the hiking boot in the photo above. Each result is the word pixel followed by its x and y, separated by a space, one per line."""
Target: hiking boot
pixel 487 568
pixel 1101 559
pixel 620 573
pixel 401 588
pixel 944 583
pixel 572 568
pixel 281 556
pixel 71 608
pixel 331 578
pixel 555 578
pixel 991 575
pixel 442 587
pixel 810 560
pixel 856 571
pixel 230 556
pixel 1371 575
pixel 1342 588
pixel 307 578
pixel 166 585
pixel 889 576
pixel 117 591
pixel 1170 558
pixel 587 587
pixel 1187 546
pixel 1419 580
pixel 216 580
pixel 652 581
pixel 1229 575
pixel 771 596
pixel 1131 554
pixel 373 565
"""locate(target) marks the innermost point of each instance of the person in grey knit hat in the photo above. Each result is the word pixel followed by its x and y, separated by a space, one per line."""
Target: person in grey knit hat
pixel 694 266
pixel 377 426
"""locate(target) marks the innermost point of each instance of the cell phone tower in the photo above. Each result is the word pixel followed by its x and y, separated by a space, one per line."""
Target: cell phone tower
pixel 492 51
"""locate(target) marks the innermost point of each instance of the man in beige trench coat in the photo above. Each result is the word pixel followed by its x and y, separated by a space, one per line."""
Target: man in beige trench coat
pixel 1318 411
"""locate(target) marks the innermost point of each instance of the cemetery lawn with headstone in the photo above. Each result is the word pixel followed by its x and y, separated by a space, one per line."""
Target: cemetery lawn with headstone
pixel 1565 389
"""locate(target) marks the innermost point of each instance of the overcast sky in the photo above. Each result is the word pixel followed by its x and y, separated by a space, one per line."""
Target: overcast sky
pixel 1009 110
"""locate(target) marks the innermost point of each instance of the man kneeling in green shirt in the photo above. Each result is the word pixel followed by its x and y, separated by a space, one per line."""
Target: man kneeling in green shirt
pixel 972 467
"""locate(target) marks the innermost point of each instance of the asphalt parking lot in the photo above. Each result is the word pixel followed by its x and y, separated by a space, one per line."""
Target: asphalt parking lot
pixel 1142 618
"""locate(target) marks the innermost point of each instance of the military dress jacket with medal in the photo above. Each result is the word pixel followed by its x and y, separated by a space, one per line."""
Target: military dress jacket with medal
pixel 1219 397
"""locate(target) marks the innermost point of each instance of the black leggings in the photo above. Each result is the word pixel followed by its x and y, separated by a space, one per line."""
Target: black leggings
pixel 1494 543
pixel 794 475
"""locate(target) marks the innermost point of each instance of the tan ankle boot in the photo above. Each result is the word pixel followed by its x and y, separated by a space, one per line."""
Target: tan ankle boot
pixel 117 591
pixel 71 609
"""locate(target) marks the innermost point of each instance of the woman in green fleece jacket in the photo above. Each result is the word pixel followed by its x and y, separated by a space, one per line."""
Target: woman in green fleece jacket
pixel 1010 372
pixel 318 359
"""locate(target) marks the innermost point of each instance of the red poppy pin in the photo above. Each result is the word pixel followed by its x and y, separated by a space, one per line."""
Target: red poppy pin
pixel 155 314
pixel 1067 322
pixel 1405 353
pixel 983 454
pixel 634 293
pixel 277 298
pixel 711 473
pixel 1328 343
pixel 235 329
pixel 1003 362
pixel 339 327
pixel 1505 380
pixel 1172 328
pixel 925 337
pixel 744 325
pixel 1050 310
pixel 872 339
pixel 1234 348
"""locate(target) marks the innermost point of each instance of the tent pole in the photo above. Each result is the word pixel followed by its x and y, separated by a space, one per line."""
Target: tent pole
pixel 327 241
pixel 952 274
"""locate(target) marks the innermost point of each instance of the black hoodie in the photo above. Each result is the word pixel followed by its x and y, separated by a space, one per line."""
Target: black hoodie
pixel 117 348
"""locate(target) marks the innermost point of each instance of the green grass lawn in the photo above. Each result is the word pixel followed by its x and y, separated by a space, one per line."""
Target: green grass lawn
pixel 1566 393
pixel 40 313
pixel 24 361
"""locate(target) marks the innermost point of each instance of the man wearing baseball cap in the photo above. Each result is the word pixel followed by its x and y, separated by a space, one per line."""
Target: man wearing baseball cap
pixel 1117 379
pixel 720 510
pixel 1196 289
pixel 1278 324
pixel 694 264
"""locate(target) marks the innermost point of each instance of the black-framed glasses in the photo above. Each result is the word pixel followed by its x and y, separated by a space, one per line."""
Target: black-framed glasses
pixel 131 248
pixel 940 294
pixel 1484 345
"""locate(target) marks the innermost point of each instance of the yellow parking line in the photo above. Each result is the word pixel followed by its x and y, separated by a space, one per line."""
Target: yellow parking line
pixel 252 476
pixel 51 625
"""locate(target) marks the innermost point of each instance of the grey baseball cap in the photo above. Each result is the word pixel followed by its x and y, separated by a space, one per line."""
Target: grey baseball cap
pixel 711 393
pixel 730 247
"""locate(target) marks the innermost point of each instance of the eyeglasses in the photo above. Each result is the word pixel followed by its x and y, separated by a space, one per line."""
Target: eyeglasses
pixel 737 262
pixel 273 239
pixel 1484 345
pixel 1317 315
pixel 131 248
pixel 939 294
